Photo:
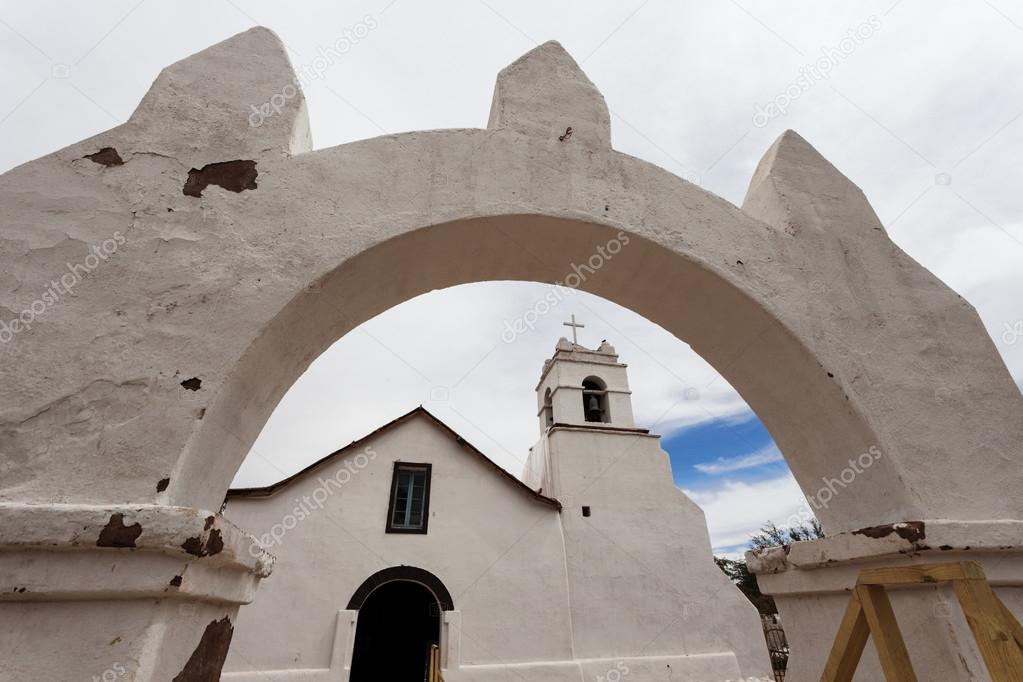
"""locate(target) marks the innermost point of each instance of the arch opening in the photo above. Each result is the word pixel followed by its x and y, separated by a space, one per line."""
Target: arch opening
pixel 406 573
pixel 726 320
pixel 398 624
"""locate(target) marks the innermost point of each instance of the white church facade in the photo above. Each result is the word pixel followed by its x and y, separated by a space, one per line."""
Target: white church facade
pixel 593 566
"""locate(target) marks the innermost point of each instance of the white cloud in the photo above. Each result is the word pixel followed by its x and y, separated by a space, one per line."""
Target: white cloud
pixel 429 351
pixel 733 553
pixel 723 465
pixel 736 510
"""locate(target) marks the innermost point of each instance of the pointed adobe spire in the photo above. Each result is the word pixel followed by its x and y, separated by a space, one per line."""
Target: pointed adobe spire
pixel 543 93
pixel 796 189
pixel 237 99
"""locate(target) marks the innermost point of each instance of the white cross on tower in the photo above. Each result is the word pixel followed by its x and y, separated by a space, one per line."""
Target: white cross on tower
pixel 574 325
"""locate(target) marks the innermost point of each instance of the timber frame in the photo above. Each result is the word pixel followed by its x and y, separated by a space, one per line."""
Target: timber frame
pixel 869 613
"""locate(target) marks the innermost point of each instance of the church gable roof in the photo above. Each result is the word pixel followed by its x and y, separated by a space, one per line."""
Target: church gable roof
pixel 466 446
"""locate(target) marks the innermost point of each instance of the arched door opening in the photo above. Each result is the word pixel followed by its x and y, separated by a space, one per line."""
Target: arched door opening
pixel 398 623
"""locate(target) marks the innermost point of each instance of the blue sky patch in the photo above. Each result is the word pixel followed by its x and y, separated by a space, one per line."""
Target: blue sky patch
pixel 704 455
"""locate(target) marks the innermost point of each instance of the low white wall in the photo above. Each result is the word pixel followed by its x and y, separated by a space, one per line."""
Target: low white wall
pixel 694 668
pixel 811 582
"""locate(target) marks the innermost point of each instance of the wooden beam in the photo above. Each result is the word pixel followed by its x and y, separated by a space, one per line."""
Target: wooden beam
pixel 849 643
pixel 891 648
pixel 1011 622
pixel 920 574
pixel 996 630
pixel 994 634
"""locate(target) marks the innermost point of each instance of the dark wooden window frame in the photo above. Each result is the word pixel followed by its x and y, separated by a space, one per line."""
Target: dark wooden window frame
pixel 398 466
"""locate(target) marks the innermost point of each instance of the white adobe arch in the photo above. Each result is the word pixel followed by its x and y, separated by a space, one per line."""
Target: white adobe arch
pixel 140 393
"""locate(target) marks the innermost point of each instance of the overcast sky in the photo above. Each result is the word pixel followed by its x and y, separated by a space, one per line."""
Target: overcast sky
pixel 921 106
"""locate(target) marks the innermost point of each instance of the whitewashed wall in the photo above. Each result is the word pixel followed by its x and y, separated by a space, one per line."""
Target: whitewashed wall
pixel 497 550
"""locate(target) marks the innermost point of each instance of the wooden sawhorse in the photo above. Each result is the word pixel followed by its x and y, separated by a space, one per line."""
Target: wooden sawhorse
pixel 869 614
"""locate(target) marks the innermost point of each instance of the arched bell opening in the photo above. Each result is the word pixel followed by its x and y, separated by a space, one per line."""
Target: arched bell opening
pixel 548 409
pixel 595 406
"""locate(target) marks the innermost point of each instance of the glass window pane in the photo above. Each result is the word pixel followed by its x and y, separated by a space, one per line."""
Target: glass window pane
pixel 409 503
pixel 401 499
pixel 418 499
pixel 399 513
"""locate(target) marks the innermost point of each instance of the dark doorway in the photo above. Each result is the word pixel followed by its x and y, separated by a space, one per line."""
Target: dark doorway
pixel 398 622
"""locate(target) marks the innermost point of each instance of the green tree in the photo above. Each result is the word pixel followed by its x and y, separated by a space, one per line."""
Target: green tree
pixel 770 535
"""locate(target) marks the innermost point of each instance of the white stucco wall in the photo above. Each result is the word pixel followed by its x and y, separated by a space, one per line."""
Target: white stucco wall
pixel 536 472
pixel 641 573
pixel 496 549
pixel 535 591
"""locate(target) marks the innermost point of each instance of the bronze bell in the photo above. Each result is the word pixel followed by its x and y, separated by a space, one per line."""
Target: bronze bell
pixel 594 404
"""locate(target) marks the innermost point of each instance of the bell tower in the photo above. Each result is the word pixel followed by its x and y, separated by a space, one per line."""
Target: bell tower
pixel 584 407
pixel 585 388
pixel 632 539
